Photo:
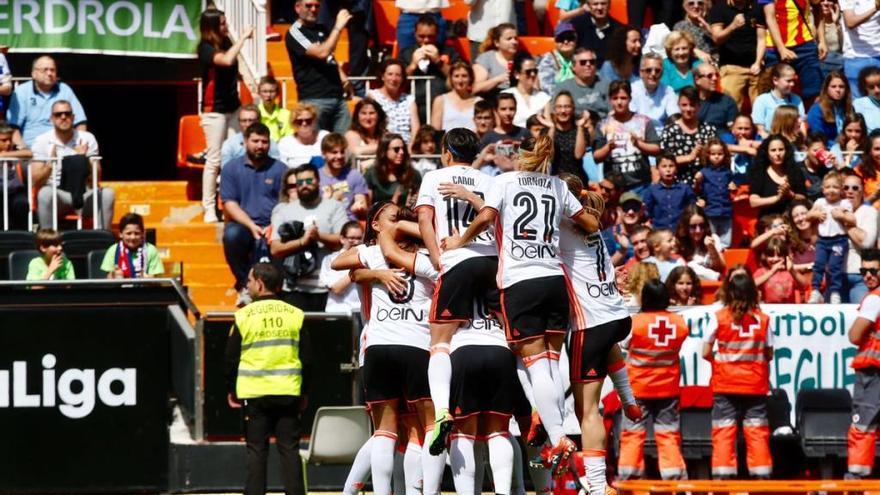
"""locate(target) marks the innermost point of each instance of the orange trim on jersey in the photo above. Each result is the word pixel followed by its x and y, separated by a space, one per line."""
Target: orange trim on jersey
pixel 423 206
pixel 459 418
pixel 504 434
pixel 553 355
pixel 505 321
pixel 577 356
pixel 383 433
pixel 462 435
pixel 578 312
pixel 366 301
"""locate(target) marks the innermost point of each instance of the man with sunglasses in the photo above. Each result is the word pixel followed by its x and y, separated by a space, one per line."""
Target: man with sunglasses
pixel 233 146
pixel 865 333
pixel 594 28
pixel 322 220
pixel 716 108
pixel 651 97
pixel 590 93
pixel 556 66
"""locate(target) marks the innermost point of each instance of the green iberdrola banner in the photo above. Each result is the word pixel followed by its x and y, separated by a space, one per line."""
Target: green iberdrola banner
pixel 161 28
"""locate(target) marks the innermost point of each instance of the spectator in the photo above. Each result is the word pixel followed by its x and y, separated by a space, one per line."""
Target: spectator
pixel 834 214
pixel 734 33
pixel 595 27
pixel 51 264
pixel 695 24
pixel 816 164
pixel 650 96
pixel 456 107
pixel 664 11
pixel 505 133
pixel 796 44
pixel 556 66
pixel 590 92
pixel 360 29
pixel 425 143
pixel 624 53
pixel 829 27
pixel 698 246
pixel 637 237
pixel 535 127
pixel 233 146
pixel 680 61
pixel 321 219
pixel 862 235
pixel 218 61
pixel 686 136
pixel 569 136
pixel 484 117
pixel 319 78
pixel 869 105
pixel 774 225
pixel 304 145
pixel 716 108
pixel 611 188
pixel 869 167
pixel 74 147
pixel 775 85
pixel 276 118
pixel 835 102
pixel 787 123
pixel 482 20
pixel 775 180
pixel 493 66
pixel 342 294
pixel 666 200
pixel 802 235
pixel 852 143
pixel 714 185
pixel 427 58
pixel 249 187
pixel 743 147
pixel 399 106
pixel 684 287
pixel 16 182
pixel 625 139
pixel 529 99
pixel 392 177
pixel 5 86
pixel 638 274
pixel 132 256
pixel 861 39
pixel 410 13
pixel 367 128
pixel 774 277
pixel 30 107
pixel 340 181
pixel 663 246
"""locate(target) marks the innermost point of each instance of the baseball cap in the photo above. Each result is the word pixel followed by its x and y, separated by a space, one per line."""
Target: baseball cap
pixel 563 27
pixel 629 196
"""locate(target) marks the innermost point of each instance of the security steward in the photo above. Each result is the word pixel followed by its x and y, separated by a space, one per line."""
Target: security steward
pixel 267 357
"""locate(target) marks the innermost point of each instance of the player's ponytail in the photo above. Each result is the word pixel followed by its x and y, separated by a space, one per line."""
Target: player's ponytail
pixel 536 154
pixel 740 295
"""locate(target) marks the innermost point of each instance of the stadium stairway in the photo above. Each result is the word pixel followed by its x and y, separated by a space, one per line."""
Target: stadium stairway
pixel 181 237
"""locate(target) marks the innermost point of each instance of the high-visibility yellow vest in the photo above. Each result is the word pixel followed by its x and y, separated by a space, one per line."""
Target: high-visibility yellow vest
pixel 269 363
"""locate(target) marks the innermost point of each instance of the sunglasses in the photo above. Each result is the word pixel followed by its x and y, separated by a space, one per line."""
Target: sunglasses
pixel 566 38
pixel 652 70
pixel 631 207
pixel 62 114
pixel 305 182
pixel 531 72
pixel 587 61
pixel 396 149
pixel 852 188
pixel 711 75
pixel 303 121
pixel 872 271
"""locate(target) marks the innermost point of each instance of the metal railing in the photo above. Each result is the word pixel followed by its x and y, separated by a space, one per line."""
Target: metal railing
pixel 239 15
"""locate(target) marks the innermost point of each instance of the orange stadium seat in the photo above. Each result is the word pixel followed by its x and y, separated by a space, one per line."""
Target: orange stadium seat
pixel 190 140
pixel 537 45
pixel 457 11
pixel 618 12
pixel 461 45
pixel 745 256
pixel 551 18
pixel 386 14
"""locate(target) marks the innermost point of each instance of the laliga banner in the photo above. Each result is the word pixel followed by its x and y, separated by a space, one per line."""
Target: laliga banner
pixel 161 28
pixel 810 345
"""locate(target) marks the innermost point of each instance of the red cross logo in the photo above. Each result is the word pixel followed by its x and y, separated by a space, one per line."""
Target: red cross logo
pixel 661 331
pixel 748 331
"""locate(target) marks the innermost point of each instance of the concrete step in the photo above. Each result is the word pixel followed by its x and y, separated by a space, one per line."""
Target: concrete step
pixel 210 295
pixel 169 234
pixel 192 254
pixel 208 274
pixel 152 190
pixel 160 211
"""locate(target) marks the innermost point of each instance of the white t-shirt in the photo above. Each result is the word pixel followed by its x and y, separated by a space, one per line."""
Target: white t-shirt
pixel 346 302
pixel 866 219
pixel 831 227
pixel 531 206
pixel 588 267
pixel 45 143
pixel 482 329
pixel 869 308
pixel 293 153
pixel 525 109
pixel 456 214
pixel 864 40
pixel 400 320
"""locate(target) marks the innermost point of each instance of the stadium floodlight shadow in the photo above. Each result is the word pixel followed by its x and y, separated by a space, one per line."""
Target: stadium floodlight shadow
pixel 13 240
pixel 338 433
pixel 19 261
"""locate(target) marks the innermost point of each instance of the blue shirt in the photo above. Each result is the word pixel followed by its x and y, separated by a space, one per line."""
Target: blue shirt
pixel 714 190
pixel 233 147
pixel 869 110
pixel 816 122
pixel 256 191
pixel 765 105
pixel 665 204
pixel 608 73
pixel 673 79
pixel 30 109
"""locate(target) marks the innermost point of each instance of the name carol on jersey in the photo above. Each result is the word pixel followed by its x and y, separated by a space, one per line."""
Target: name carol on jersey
pixel 74 391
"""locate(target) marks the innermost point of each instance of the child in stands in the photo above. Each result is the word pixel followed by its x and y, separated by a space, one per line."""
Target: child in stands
pixel 714 184
pixel 834 214
pixel 666 200
pixel 776 85
pixel 774 278
pixel 424 143
pixel 684 287
pixel 663 250
pixel 132 256
pixel 51 264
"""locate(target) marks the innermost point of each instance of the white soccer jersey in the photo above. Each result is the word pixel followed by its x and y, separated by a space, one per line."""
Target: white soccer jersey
pixel 590 276
pixel 530 206
pixel 450 213
pixel 482 329
pixel 400 319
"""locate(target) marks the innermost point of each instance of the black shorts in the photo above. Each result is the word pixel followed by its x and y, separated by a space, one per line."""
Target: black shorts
pixel 534 307
pixel 483 381
pixel 394 372
pixel 588 349
pixel 456 290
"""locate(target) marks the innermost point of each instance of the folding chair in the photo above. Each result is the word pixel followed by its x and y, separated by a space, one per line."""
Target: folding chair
pixel 337 435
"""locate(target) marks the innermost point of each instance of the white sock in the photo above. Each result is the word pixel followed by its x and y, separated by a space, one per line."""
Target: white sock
pixel 412 468
pixel 360 470
pixel 546 397
pixel 398 476
pixel 517 483
pixel 523 376
pixel 540 477
pixel 461 453
pixel 432 470
pixel 594 467
pixel 501 459
pixel 440 376
pixel 382 461
pixel 481 453
pixel 620 379
pixel 558 382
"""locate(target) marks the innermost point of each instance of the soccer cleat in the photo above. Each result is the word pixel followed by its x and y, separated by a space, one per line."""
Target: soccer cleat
pixel 632 411
pixel 560 455
pixel 537 435
pixel 442 428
